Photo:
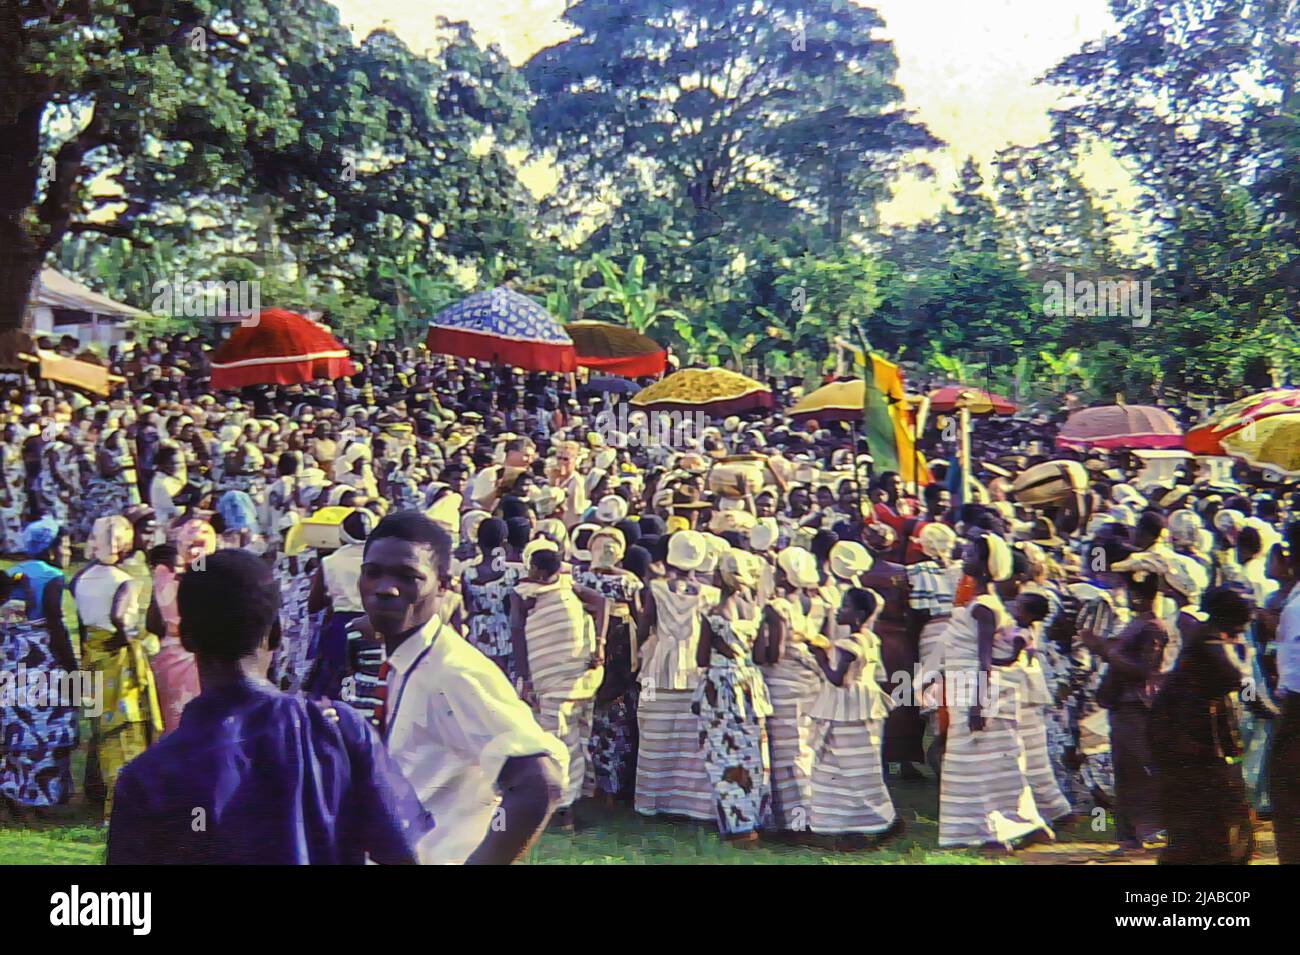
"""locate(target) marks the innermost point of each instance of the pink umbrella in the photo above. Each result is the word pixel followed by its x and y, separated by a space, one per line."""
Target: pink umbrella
pixel 1120 426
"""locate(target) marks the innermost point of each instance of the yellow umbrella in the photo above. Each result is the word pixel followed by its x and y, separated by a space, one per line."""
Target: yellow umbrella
pixel 714 390
pixel 838 401
pixel 1272 443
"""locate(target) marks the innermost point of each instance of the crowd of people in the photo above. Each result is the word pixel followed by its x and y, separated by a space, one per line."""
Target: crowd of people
pixel 422 613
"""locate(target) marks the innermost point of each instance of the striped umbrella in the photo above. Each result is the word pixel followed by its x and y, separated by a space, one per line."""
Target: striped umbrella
pixel 505 328
pixel 714 391
pixel 1120 426
pixel 1209 436
pixel 616 349
pixel 279 347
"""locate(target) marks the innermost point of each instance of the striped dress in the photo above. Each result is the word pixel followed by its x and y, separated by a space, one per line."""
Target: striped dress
pixel 793 683
pixel 984 793
pixel 848 784
pixel 671 776
pixel 931 588
pixel 1033 698
pixel 561 640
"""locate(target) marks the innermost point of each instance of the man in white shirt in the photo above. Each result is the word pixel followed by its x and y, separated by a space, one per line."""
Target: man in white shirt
pixel 168 481
pixel 478 760
pixel 492 482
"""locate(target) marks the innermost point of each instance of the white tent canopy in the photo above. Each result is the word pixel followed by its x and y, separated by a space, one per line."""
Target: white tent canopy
pixel 63 306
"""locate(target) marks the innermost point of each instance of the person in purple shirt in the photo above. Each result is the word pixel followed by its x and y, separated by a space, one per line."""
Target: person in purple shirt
pixel 253 775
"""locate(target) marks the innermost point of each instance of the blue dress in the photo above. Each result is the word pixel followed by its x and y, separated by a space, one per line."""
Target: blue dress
pixel 39 718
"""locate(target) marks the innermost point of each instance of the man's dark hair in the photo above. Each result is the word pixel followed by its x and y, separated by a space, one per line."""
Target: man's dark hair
pixel 1036 606
pixel 416 527
pixel 518 444
pixel 546 562
pixel 355 525
pixel 1151 523
pixel 228 607
pixel 519 530
pixel 491 534
pixel 1227 609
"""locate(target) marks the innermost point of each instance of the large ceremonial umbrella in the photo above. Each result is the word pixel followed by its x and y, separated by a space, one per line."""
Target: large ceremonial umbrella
pixel 1272 443
pixel 279 347
pixel 838 401
pixel 503 327
pixel 944 400
pixel 1208 437
pixel 714 391
pixel 1120 426
pixel 616 349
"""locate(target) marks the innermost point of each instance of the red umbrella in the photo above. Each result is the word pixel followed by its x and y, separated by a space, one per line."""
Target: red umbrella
pixel 279 348
pixel 1120 426
pixel 616 349
pixel 944 401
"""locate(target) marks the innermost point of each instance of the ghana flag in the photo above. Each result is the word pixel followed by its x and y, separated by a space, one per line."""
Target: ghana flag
pixel 886 420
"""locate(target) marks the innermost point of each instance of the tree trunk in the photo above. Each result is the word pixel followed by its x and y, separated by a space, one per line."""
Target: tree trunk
pixel 20 254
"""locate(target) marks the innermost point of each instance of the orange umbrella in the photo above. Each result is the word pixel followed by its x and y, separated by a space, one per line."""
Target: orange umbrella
pixel 944 400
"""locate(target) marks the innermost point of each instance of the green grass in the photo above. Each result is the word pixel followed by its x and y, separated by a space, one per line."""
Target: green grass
pixel 605 837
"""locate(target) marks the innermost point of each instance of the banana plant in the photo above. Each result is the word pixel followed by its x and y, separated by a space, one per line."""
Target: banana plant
pixel 1067 365
pixel 951 365
pixel 628 290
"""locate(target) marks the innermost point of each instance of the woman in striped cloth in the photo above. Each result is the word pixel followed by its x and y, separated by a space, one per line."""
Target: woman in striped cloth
pixel 931 585
pixel 849 798
pixel 984 798
pixel 671 777
pixel 731 702
pixel 560 654
pixel 797 614
pixel 1016 654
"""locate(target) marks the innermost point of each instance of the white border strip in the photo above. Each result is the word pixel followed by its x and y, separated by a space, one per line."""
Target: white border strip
pixel 286 360
pixel 566 340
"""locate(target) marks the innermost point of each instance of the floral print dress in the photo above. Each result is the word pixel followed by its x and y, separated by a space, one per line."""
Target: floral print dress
pixel 614 727
pixel 1077 727
pixel 732 704
pixel 38 732
pixel 487 608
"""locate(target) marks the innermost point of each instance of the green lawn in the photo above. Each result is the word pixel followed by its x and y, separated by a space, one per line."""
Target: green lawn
pixel 605 837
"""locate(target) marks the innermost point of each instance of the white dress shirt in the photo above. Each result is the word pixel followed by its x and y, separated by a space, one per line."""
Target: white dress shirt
pixel 161 491
pixel 453 721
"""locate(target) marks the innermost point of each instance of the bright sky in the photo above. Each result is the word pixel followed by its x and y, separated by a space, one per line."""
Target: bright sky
pixel 966 66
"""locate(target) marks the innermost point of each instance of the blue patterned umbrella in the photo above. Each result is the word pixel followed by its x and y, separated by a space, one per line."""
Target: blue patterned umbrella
pixel 505 328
